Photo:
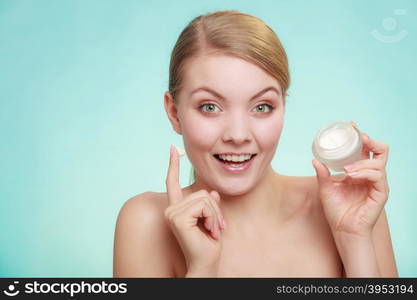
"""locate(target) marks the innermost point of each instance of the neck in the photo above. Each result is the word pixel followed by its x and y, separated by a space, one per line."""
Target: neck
pixel 258 206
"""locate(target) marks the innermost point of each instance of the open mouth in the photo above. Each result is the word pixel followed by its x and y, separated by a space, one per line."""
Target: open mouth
pixel 229 161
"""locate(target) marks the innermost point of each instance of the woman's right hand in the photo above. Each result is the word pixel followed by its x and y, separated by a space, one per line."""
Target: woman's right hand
pixel 196 221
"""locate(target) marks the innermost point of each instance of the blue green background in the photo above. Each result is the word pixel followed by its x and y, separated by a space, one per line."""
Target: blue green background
pixel 83 127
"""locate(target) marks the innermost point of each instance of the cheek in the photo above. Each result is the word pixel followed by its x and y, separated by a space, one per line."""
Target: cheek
pixel 200 134
pixel 268 132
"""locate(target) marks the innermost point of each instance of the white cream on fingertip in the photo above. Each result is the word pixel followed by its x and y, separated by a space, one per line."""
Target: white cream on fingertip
pixel 180 151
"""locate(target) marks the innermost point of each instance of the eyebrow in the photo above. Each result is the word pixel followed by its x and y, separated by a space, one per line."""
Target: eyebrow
pixel 216 94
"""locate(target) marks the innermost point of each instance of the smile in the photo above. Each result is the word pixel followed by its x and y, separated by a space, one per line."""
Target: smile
pixel 234 163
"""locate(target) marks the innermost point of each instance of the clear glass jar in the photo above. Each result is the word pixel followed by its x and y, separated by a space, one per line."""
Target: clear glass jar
pixel 337 144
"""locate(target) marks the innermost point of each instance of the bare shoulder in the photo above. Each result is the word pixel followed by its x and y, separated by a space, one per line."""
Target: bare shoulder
pixel 142 211
pixel 142 242
pixel 148 205
pixel 304 188
pixel 307 190
pixel 305 201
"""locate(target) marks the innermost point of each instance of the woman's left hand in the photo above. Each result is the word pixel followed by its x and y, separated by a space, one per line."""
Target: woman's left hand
pixel 352 203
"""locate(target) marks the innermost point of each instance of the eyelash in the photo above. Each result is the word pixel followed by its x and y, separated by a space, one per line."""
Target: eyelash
pixel 271 108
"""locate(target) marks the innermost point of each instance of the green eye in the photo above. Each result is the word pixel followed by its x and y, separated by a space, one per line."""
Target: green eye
pixel 210 107
pixel 264 106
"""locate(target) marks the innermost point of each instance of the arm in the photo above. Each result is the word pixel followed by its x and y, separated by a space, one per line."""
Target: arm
pixel 353 207
pixel 202 273
pixel 383 247
pixel 358 255
pixel 368 256
pixel 140 242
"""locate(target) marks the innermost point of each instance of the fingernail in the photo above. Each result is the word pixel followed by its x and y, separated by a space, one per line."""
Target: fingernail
pixel 221 225
pixel 224 224
pixel 349 167
pixel 352 173
pixel 216 232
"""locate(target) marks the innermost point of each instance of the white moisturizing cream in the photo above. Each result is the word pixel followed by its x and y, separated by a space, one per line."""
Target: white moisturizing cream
pixel 181 152
pixel 337 144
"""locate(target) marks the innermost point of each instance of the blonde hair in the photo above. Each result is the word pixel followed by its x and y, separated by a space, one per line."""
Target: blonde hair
pixel 233 33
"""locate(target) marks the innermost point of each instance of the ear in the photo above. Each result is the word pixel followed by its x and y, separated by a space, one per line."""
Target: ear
pixel 282 105
pixel 171 111
pixel 284 101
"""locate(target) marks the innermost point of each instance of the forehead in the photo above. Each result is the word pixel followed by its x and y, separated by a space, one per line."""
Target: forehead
pixel 228 75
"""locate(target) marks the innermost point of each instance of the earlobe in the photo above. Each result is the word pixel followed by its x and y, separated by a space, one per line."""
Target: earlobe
pixel 171 111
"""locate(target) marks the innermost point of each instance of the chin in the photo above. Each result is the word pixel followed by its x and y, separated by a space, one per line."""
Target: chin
pixel 236 188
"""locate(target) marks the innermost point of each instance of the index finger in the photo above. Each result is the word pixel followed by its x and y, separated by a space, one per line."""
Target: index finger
pixel 379 149
pixel 172 182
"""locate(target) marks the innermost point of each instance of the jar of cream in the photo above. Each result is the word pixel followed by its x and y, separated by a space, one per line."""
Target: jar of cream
pixel 337 144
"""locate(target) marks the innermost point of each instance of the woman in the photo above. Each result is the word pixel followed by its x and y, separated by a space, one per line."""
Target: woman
pixel 227 89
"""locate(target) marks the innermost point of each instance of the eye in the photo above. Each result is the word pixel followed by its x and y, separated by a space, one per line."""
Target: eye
pixel 210 107
pixel 263 107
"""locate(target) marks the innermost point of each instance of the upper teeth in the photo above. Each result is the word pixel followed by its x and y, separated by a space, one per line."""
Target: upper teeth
pixel 235 157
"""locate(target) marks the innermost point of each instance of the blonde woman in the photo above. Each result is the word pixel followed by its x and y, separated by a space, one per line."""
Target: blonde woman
pixel 228 81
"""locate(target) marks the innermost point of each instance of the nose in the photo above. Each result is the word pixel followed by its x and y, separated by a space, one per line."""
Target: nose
pixel 236 129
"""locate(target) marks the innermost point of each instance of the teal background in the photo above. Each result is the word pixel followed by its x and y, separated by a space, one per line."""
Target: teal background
pixel 83 127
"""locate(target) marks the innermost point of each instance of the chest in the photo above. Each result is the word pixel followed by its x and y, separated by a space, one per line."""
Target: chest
pixel 297 251
pixel 310 257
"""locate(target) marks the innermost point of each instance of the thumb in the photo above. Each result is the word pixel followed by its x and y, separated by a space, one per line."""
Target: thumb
pixel 322 172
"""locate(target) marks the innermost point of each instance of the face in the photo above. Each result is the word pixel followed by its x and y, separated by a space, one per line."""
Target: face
pixel 239 115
